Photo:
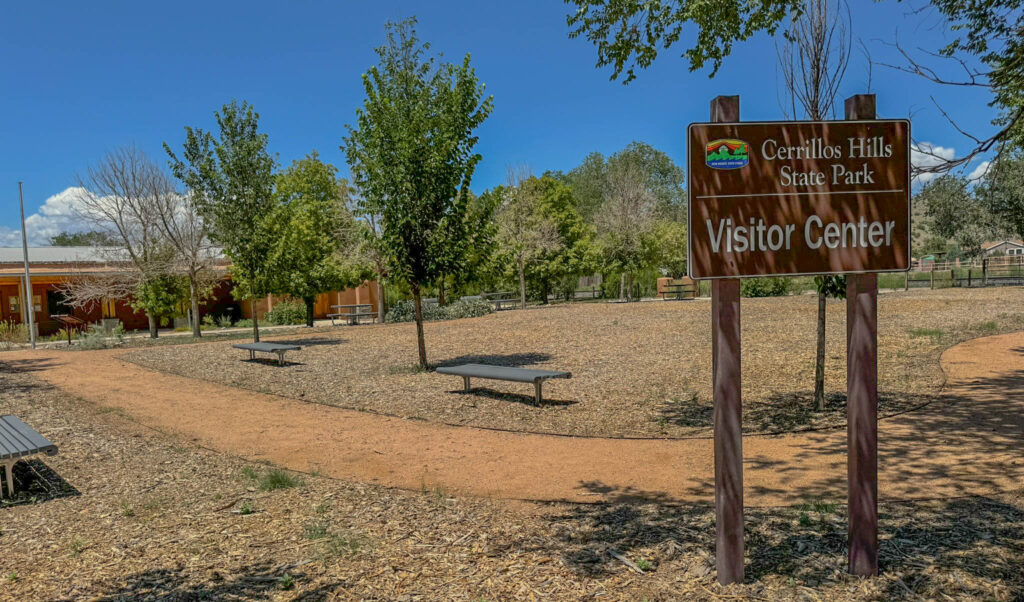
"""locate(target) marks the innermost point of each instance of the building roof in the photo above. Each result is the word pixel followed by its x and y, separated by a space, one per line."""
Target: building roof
pixel 57 254
pixel 985 246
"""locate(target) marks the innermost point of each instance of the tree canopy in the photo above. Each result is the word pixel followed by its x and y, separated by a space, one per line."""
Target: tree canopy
pixel 231 178
pixel 411 156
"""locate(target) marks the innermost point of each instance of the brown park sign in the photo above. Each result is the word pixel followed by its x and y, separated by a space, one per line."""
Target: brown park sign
pixel 791 198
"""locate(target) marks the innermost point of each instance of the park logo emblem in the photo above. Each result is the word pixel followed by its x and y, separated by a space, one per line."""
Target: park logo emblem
pixel 726 154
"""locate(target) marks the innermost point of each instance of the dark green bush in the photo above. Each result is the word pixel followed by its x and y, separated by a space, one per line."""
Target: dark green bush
pixel 765 287
pixel 288 312
pixel 403 311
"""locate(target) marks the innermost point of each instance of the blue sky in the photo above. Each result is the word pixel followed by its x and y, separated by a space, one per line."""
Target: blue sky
pixel 80 79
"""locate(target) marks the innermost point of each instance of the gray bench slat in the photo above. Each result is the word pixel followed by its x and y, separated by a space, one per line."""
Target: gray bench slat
pixel 267 347
pixel 19 439
pixel 13 443
pixel 522 375
pixel 23 434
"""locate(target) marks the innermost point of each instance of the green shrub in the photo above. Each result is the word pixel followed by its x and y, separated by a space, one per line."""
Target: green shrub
pixel 469 308
pixel 404 311
pixel 98 337
pixel 276 478
pixel 12 334
pixel 288 312
pixel 765 287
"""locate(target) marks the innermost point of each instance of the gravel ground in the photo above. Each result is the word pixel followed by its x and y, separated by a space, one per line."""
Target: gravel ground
pixel 127 513
pixel 639 370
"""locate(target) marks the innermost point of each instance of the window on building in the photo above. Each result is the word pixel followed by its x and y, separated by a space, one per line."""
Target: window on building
pixel 56 304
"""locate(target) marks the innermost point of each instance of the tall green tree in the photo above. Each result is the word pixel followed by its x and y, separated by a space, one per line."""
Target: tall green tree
pixel 313 234
pixel 572 254
pixel 231 178
pixel 91 238
pixel 1001 192
pixel 957 215
pixel 480 267
pixel 411 156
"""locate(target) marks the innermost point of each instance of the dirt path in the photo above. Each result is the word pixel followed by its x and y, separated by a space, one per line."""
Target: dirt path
pixel 967 442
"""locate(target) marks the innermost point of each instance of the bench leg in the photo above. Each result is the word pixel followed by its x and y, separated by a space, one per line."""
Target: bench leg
pixel 537 397
pixel 252 355
pixel 10 478
pixel 280 358
pixel 465 382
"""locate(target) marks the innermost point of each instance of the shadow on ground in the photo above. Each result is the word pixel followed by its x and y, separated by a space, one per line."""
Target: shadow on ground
pixel 35 483
pixel 253 582
pixel 972 543
pixel 513 397
pixel 786 412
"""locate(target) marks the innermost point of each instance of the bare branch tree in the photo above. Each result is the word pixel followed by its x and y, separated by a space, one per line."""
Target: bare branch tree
pixel 187 232
pixel 522 229
pixel 813 57
pixel 626 221
pixel 119 198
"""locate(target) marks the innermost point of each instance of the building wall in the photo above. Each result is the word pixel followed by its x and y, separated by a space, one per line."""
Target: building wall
pixel 364 293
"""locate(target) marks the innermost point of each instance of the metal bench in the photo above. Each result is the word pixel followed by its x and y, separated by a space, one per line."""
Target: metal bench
pixel 18 440
pixel 519 375
pixel 277 348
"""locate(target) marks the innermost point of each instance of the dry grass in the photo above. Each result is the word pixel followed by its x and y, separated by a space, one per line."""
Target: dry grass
pixel 639 370
pixel 125 513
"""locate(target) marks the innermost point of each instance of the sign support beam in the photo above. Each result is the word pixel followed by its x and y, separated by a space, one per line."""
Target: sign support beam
pixel 725 345
pixel 862 400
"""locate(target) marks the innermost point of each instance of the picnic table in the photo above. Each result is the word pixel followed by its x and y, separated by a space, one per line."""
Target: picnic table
pixel 18 440
pixel 501 300
pixel 680 292
pixel 352 313
pixel 507 373
pixel 69 323
pixel 279 348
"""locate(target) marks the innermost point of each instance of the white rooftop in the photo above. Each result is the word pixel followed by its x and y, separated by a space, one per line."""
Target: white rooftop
pixel 57 254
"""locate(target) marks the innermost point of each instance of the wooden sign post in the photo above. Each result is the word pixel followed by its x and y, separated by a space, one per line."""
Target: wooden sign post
pixel 787 199
pixel 726 373
pixel 862 400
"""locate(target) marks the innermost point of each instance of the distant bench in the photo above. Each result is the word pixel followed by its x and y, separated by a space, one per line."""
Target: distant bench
pixel 519 375
pixel 18 440
pixel 277 348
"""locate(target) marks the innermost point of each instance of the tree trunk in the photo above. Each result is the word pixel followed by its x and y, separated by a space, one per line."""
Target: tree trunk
pixel 522 284
pixel 309 310
pixel 154 326
pixel 193 293
pixel 255 322
pixel 440 292
pixel 819 360
pixel 382 309
pixel 421 344
pixel 622 286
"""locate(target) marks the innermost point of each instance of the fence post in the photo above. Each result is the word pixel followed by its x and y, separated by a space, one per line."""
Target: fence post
pixel 984 272
pixel 968 277
pixel 931 275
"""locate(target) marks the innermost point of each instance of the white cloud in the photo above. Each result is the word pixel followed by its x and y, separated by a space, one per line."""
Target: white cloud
pixel 927 154
pixel 979 171
pixel 55 216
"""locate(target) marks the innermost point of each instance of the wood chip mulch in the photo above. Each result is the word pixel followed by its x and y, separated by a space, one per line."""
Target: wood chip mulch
pixel 127 513
pixel 639 370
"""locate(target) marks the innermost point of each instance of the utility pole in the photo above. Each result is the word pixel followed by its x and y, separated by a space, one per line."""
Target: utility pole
pixel 30 310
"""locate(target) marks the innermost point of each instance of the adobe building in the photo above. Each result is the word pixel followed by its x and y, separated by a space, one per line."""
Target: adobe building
pixel 50 267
